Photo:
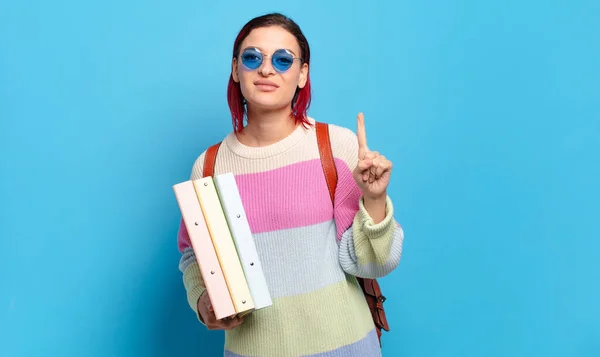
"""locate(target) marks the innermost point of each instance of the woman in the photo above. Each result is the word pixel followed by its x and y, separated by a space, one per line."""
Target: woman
pixel 311 251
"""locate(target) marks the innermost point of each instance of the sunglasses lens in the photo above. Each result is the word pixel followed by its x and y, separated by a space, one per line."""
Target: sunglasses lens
pixel 282 60
pixel 251 59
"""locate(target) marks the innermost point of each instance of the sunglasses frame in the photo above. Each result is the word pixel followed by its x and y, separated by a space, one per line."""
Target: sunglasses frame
pixel 273 57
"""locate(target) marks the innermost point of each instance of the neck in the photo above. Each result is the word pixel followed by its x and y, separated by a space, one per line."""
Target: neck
pixel 267 127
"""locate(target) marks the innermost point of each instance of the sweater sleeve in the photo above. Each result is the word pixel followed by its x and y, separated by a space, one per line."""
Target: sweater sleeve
pixel 366 249
pixel 188 265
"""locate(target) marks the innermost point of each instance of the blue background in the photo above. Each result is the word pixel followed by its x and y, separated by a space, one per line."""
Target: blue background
pixel 489 111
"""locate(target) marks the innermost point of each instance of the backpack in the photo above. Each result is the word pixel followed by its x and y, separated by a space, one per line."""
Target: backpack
pixel 370 287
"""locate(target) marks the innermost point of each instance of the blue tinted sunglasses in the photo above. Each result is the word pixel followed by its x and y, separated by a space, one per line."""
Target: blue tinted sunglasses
pixel 281 60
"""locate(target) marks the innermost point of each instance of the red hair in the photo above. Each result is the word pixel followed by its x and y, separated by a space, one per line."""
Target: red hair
pixel 302 98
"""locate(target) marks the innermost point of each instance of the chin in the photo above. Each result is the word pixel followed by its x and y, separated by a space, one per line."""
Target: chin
pixel 267 102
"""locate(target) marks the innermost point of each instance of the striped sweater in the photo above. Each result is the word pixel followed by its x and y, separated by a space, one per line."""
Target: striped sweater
pixel 310 251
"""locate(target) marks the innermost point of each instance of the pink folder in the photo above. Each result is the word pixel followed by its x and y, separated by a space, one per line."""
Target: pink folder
pixel 206 256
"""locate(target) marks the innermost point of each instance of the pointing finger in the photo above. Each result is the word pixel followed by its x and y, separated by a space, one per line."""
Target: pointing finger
pixel 361 135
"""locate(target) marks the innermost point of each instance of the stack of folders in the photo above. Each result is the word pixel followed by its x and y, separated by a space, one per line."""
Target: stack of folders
pixel 225 250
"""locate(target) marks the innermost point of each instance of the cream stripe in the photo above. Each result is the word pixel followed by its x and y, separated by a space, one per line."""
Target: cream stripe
pixel 227 161
pixel 194 286
pixel 344 145
pixel 343 141
pixel 304 324
pixel 376 258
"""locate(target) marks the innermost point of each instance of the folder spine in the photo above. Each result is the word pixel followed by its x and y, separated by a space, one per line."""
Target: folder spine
pixel 233 209
pixel 206 257
pixel 224 245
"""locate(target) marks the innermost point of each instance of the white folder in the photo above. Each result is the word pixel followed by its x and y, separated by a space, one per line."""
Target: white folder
pixel 240 230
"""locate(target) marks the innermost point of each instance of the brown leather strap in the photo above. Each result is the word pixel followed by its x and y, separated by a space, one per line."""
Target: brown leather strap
pixel 370 287
pixel 326 157
pixel 210 158
pixel 376 298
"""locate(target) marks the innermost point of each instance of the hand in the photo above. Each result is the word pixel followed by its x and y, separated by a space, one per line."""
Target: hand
pixel 210 320
pixel 372 173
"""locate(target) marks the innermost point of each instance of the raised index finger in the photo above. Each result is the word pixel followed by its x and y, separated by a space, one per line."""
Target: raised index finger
pixel 361 135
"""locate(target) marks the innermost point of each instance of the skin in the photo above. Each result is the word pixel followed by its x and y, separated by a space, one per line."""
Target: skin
pixel 372 174
pixel 207 313
pixel 269 121
pixel 269 112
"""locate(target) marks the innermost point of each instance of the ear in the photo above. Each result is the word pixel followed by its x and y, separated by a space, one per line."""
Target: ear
pixel 234 70
pixel 303 75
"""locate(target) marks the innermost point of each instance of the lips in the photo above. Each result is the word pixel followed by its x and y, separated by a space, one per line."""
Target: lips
pixel 266 85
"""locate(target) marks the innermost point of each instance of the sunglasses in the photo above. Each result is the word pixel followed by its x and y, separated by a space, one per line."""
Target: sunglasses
pixel 281 60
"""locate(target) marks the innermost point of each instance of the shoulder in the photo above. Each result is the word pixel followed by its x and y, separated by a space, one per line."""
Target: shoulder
pixel 198 165
pixel 340 135
pixel 344 144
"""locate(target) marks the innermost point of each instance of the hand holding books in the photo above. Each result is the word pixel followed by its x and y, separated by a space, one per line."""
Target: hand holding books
pixel 207 313
pixel 226 254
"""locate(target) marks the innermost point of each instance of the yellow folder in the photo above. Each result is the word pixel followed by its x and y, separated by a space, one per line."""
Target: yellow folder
pixel 224 245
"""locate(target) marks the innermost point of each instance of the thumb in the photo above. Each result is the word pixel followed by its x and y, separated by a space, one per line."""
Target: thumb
pixel 364 165
pixel 206 300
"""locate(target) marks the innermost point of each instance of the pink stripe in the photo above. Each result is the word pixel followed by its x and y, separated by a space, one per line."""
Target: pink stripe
pixel 346 198
pixel 183 238
pixel 288 197
pixel 293 196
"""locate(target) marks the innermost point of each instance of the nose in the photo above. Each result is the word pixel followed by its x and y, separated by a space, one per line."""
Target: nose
pixel 266 67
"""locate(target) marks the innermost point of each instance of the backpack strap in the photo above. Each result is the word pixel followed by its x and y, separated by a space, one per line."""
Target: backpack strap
pixel 327 161
pixel 210 158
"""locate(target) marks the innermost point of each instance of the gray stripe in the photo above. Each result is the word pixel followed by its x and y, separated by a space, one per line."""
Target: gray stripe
pixel 188 257
pixel 300 260
pixel 366 347
pixel 294 261
pixel 350 264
